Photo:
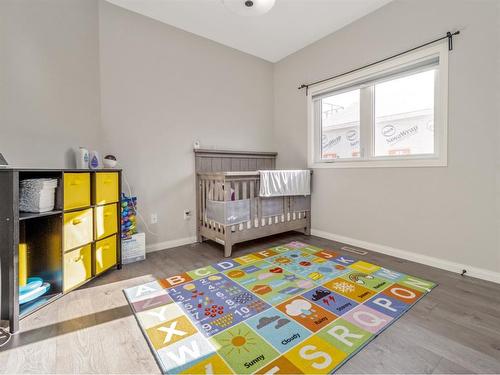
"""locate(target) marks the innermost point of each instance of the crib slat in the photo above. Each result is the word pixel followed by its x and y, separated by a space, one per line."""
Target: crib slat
pixel 227 191
pixel 205 165
pixel 259 208
pixel 202 202
pixel 270 164
pixel 235 164
pixel 244 165
pixel 207 197
pixel 210 193
pixel 287 209
pixel 216 188
pixel 216 165
pixel 236 190
pixel 244 195
pixel 244 185
pixel 252 201
pixel 199 207
pixel 226 164
pixel 282 216
pixel 222 188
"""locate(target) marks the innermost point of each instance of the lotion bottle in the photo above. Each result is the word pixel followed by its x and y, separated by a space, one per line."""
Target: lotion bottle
pixel 95 160
pixel 82 158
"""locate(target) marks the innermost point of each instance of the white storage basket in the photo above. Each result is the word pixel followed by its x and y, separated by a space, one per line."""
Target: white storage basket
pixel 37 194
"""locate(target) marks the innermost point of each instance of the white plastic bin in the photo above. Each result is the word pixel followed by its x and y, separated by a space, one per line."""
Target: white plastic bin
pixel 272 206
pixel 229 212
pixel 300 203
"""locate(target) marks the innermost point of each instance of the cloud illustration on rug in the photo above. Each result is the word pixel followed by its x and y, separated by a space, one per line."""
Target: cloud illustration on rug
pixel 266 320
pixel 298 307
pixel 280 323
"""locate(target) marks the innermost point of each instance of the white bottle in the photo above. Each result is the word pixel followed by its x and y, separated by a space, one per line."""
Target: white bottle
pixel 82 158
pixel 95 160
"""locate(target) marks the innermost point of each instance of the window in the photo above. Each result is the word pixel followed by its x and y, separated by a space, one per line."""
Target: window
pixel 391 114
pixel 340 125
pixel 404 115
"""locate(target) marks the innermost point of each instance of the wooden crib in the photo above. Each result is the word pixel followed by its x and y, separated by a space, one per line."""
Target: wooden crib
pixel 229 209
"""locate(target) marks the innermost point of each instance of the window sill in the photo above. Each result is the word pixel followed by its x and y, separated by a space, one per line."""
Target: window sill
pixel 400 163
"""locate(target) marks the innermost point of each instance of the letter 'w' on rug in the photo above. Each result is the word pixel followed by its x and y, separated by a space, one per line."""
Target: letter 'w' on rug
pixel 289 309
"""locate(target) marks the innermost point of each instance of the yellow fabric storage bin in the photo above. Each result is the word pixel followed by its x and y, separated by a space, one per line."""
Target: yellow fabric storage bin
pixel 78 229
pixel 105 254
pixel 76 190
pixel 105 221
pixel 77 267
pixel 106 187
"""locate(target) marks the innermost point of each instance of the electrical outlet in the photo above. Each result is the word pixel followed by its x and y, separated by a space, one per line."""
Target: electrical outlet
pixel 187 214
pixel 154 218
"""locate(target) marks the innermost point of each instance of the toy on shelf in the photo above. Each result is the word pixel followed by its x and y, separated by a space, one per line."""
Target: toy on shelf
pixel 110 161
pixel 128 219
pixel 30 288
pixel 34 288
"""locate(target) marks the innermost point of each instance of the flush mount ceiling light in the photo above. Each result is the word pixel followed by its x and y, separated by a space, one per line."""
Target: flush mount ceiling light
pixel 249 7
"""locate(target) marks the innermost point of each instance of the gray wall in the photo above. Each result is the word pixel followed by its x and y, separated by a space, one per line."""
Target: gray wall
pixel 163 88
pixel 49 80
pixel 448 213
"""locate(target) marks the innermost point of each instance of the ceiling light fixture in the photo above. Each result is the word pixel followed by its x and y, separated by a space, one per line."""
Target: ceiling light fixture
pixel 249 7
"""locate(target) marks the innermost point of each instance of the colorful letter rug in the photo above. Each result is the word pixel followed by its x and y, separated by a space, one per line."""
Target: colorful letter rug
pixel 290 309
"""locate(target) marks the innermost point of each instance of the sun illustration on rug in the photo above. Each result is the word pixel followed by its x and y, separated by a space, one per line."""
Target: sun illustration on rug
pixel 238 342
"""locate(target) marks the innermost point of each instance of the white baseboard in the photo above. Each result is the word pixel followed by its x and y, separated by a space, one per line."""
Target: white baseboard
pixel 447 265
pixel 169 244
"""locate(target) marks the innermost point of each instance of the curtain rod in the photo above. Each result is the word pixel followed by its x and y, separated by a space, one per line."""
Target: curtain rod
pixel 449 35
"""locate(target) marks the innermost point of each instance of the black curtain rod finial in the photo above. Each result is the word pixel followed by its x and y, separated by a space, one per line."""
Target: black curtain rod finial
pixel 450 39
pixel 304 86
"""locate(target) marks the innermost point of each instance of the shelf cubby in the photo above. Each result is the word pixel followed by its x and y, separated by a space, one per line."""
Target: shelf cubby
pixel 42 238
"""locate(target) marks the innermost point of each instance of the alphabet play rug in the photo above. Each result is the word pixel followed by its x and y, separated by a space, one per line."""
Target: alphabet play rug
pixel 290 309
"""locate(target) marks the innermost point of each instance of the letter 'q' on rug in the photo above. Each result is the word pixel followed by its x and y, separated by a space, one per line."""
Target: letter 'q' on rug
pixel 290 309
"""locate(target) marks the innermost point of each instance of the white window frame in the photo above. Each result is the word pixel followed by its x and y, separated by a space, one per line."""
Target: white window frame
pixel 440 156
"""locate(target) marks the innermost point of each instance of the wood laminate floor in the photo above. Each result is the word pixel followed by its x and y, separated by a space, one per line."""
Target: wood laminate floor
pixel 454 329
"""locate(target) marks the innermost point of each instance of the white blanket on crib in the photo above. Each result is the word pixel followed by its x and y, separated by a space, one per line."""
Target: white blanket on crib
pixel 277 183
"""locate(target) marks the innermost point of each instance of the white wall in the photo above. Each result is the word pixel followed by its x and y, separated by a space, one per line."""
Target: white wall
pixel 160 88
pixel 447 213
pixel 49 80
pixel 163 88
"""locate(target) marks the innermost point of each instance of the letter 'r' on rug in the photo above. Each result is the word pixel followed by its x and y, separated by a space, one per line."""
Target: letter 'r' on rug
pixel 290 309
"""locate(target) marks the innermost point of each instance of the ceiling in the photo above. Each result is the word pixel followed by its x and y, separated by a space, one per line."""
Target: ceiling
pixel 288 27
